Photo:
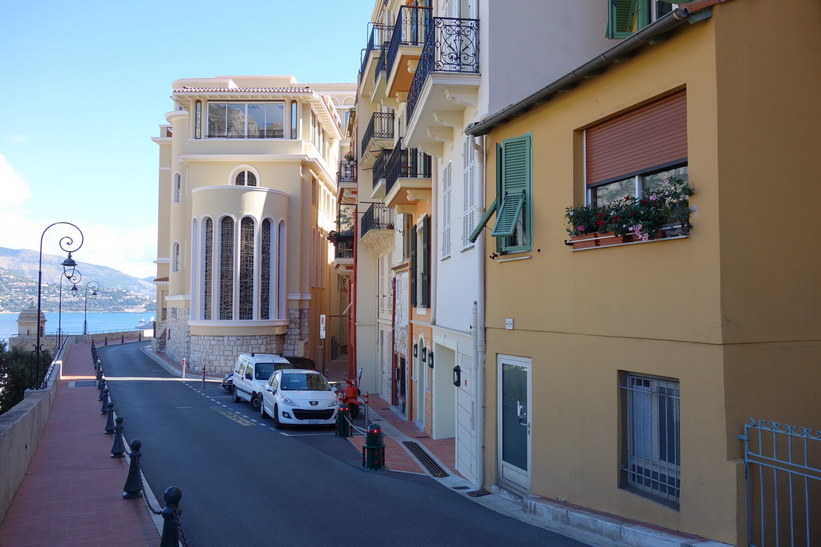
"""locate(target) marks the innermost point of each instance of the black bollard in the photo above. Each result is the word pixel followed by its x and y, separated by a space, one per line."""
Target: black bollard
pixel 170 514
pixel 122 339
pixel 109 423
pixel 343 426
pixel 104 396
pixel 100 378
pixel 106 341
pixel 117 448
pixel 102 388
pixel 133 484
pixel 139 337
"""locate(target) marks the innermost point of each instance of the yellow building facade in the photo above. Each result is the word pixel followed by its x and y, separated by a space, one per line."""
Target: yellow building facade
pixel 619 377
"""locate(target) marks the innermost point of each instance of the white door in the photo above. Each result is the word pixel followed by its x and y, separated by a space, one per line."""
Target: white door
pixel 514 421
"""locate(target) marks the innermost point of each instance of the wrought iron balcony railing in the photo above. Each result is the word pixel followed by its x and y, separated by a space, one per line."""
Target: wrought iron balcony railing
pixel 378 217
pixel 347 171
pixel 343 249
pixel 407 164
pixel 380 127
pixel 380 33
pixel 410 30
pixel 452 45
pixel 380 166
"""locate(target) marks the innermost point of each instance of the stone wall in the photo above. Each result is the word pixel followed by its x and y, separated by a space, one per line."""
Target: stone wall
pixel 219 353
pixel 178 346
pixel 297 337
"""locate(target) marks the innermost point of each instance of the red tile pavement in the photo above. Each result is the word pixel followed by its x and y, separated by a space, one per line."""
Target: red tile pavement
pixel 72 491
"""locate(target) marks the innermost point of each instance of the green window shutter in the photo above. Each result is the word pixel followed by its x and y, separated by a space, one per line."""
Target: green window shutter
pixel 424 299
pixel 509 213
pixel 482 223
pixel 414 266
pixel 626 17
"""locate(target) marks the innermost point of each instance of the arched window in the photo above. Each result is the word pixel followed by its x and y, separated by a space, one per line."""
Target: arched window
pixel 245 178
pixel 226 280
pixel 265 270
pixel 246 269
pixel 207 260
pixel 175 257
pixel 177 188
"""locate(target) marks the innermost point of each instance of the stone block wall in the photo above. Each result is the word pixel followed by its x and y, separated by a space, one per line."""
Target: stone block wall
pixel 219 353
pixel 297 337
pixel 178 346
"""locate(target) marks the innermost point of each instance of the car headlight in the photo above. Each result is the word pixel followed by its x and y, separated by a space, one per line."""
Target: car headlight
pixel 333 404
pixel 287 401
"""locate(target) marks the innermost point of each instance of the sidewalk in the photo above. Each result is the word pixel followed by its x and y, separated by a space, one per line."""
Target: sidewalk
pixel 72 492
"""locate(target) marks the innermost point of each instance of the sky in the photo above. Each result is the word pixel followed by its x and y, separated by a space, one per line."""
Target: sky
pixel 86 85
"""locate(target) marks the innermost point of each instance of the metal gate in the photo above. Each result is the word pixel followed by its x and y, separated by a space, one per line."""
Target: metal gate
pixel 783 470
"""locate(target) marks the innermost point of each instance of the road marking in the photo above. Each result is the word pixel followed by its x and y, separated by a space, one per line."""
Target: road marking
pixel 233 416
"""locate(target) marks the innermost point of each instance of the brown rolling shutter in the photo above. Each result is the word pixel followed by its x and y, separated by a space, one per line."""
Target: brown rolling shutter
pixel 651 136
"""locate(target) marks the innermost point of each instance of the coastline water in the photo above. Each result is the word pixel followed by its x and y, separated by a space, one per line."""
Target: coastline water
pixel 72 323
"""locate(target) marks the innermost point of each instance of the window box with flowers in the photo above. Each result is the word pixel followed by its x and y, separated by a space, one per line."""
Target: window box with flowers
pixel 662 213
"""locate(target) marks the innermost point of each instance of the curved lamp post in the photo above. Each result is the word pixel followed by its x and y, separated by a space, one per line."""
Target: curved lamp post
pixel 94 286
pixel 69 267
pixel 75 279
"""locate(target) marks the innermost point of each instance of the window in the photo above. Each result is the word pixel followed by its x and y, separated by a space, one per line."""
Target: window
pixel 208 256
pixel 177 188
pixel 175 257
pixel 628 16
pixel 198 120
pixel 420 264
pixel 651 421
pixel 246 269
pixel 294 119
pixel 245 178
pixel 226 272
pixel 246 120
pixel 265 271
pixel 446 214
pixel 635 152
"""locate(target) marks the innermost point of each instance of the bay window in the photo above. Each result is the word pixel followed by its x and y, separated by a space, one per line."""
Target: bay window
pixel 239 120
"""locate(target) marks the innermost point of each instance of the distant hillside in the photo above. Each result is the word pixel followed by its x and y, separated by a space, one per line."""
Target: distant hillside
pixel 18 285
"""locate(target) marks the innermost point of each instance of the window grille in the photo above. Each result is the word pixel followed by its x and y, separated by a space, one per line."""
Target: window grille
pixel 652 455
pixel 175 260
pixel 208 256
pixel 177 188
pixel 226 287
pixel 265 271
pixel 246 270
pixel 246 178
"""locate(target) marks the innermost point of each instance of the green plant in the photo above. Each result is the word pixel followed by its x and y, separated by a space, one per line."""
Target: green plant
pixel 349 156
pixel 664 206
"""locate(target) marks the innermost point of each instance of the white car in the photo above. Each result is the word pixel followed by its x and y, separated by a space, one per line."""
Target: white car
pixel 299 397
pixel 251 374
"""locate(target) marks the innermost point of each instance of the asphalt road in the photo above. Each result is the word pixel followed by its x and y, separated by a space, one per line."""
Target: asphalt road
pixel 245 483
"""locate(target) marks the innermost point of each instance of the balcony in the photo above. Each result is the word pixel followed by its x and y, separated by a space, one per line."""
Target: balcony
pixel 346 182
pixel 376 229
pixel 380 169
pixel 379 34
pixel 408 177
pixel 445 84
pixel 343 253
pixel 378 135
pixel 404 50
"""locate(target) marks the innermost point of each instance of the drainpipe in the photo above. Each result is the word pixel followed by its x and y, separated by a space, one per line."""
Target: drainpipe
pixel 478 321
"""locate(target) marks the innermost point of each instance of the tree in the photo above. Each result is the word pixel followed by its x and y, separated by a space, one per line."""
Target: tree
pixel 16 368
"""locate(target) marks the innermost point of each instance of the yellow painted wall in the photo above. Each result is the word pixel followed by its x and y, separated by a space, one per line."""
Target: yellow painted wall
pixel 731 320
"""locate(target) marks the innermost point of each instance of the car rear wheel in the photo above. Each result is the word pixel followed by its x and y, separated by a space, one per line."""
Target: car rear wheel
pixel 236 395
pixel 277 423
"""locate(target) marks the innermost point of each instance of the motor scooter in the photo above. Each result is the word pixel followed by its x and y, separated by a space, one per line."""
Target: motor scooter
pixel 349 396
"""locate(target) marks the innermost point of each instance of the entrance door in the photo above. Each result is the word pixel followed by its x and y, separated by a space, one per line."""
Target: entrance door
pixel 514 418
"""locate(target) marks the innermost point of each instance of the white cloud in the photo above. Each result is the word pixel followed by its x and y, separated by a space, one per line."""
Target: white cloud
pixel 131 251
pixel 13 188
pixel 16 138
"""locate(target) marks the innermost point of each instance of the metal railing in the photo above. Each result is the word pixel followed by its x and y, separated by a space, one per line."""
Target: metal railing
pixel 378 217
pixel 380 127
pixel 406 164
pixel 380 166
pixel 380 33
pixel 343 248
pixel 452 45
pixel 410 30
pixel 783 470
pixel 347 171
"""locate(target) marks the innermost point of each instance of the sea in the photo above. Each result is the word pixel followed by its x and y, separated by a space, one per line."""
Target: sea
pixel 72 323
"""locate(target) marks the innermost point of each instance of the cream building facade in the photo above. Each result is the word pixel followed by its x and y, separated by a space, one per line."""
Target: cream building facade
pixel 247 196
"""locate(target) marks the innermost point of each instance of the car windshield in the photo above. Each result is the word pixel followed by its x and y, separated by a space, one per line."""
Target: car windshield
pixel 304 382
pixel 263 371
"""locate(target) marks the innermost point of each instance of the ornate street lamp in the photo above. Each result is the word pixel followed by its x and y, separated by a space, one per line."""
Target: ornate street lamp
pixel 76 278
pixel 66 244
pixel 94 286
